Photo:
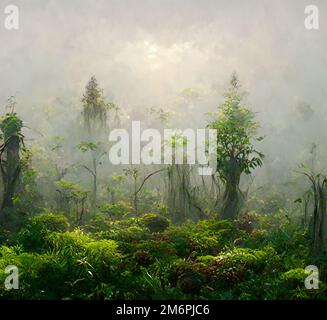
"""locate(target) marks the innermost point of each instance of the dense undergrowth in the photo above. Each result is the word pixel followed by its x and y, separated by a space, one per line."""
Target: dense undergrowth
pixel 255 257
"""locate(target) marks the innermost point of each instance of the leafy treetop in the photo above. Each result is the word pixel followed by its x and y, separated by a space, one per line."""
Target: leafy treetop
pixel 236 128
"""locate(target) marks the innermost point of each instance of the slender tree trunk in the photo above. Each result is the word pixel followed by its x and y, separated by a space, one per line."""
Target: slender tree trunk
pixel 135 198
pixel 232 196
pixel 95 183
pixel 10 171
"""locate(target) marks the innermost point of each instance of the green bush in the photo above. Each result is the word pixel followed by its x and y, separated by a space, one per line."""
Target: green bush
pixel 34 236
pixel 239 264
pixel 155 222
pixel 207 237
pixel 40 275
pixel 116 210
pixel 190 282
pixel 158 249
pixel 132 259
pixel 51 222
pixel 103 254
pixel 76 266
pixel 294 278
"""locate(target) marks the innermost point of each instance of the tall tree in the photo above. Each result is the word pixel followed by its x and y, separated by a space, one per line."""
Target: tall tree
pixel 236 128
pixel 95 114
pixel 95 109
pixel 10 161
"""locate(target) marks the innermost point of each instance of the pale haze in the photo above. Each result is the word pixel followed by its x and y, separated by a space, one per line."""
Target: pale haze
pixel 147 53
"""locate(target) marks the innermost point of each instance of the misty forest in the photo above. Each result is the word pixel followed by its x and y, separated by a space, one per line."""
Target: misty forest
pixel 77 226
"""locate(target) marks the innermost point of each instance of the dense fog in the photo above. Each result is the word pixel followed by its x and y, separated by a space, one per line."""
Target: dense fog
pixel 172 55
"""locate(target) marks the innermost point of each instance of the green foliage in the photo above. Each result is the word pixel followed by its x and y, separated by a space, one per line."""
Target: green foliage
pixel 95 108
pixel 10 157
pixel 11 126
pixel 29 200
pixel 51 222
pixel 76 266
pixel 155 222
pixel 158 249
pixel 119 252
pixel 294 277
pixel 72 189
pixel 119 242
pixel 235 129
pixel 72 197
pixel 240 263
pixel 87 146
pixel 235 154
pixel 116 210
pixel 190 282
pixel 123 259
pixel 35 235
pixel 205 238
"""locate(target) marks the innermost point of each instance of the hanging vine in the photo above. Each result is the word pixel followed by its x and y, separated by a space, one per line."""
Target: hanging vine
pixel 95 109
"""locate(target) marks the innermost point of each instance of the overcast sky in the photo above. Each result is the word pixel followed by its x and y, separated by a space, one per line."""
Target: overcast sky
pixel 145 52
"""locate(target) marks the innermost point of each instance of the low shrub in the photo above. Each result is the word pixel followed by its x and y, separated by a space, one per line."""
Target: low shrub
pixel 34 236
pixel 155 222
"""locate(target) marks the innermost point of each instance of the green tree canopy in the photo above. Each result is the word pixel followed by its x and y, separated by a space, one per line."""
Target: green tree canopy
pixel 236 154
